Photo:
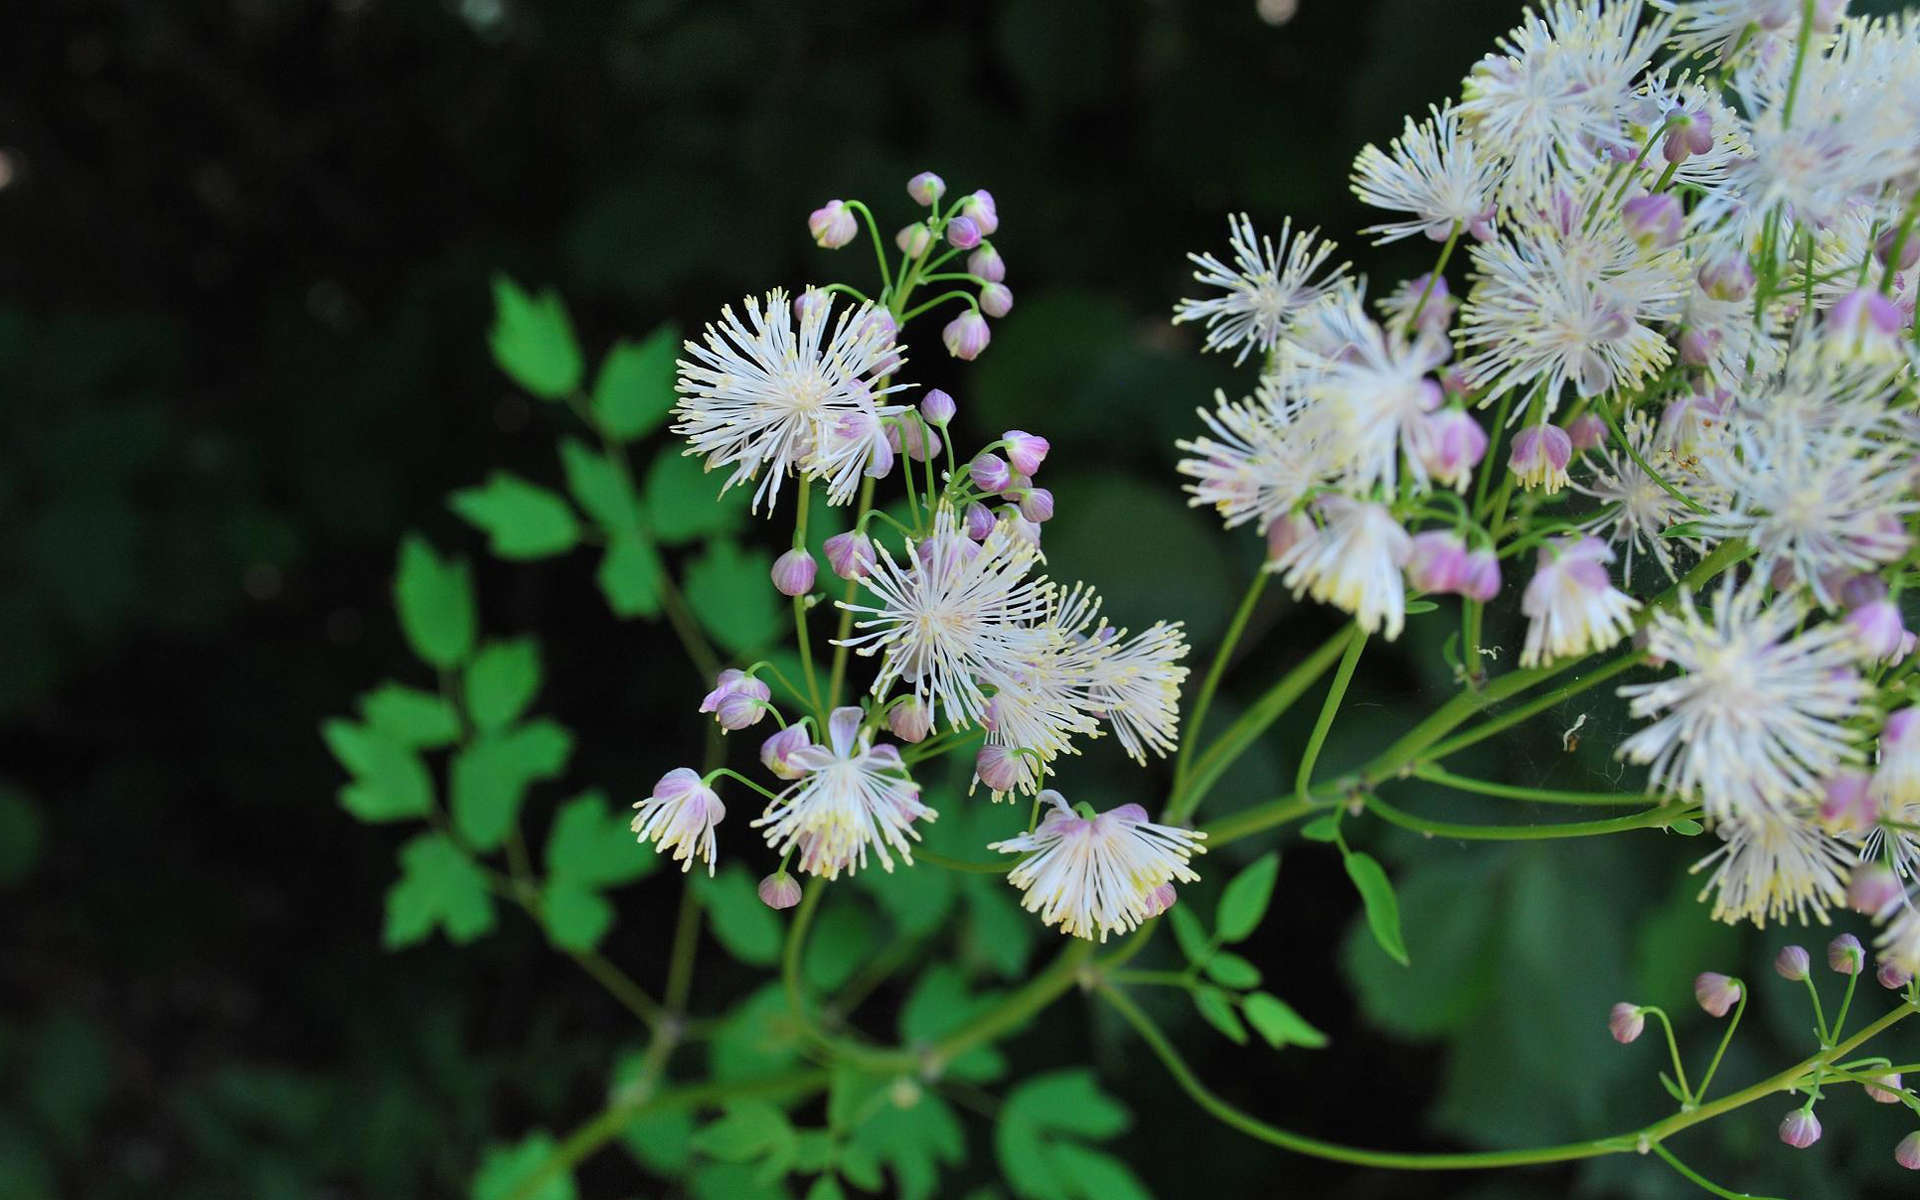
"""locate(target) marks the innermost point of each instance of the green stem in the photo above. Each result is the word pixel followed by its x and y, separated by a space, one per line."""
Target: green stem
pixel 1446 252
pixel 1559 695
pixel 1673 1052
pixel 879 247
pixel 1701 1180
pixel 1508 791
pixel 1726 1039
pixel 621 987
pixel 1179 979
pixel 1197 722
pixel 800 609
pixel 1819 1016
pixel 1329 709
pixel 839 675
pixel 1658 817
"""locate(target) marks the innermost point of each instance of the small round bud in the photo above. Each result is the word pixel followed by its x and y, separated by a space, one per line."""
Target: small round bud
pixel 793 573
pixel 849 554
pixel 1800 1129
pixel 1437 562
pixel 1846 955
pixel 980 521
pixel 1907 1153
pixel 1037 505
pixel 1451 443
pixel 990 472
pixel 1848 806
pixel 1586 433
pixel 1482 580
pixel 1287 532
pixel 979 208
pixel 997 767
pixel 1884 245
pixel 917 441
pixel 966 335
pixel 779 890
pixel 810 299
pixel 987 264
pixel 1698 346
pixel 832 224
pixel 737 700
pixel 776 753
pixel 1881 1095
pixel 937 407
pixel 1873 889
pixel 995 300
pixel 963 233
pixel 1017 484
pixel 1890 975
pixel 1023 529
pixel 1728 278
pixel 1716 993
pixel 926 187
pixel 1653 220
pixel 1160 900
pixel 1625 1022
pixel 909 720
pixel 1690 133
pixel 1540 455
pixel 1025 451
pixel 914 240
pixel 1792 962
pixel 1863 319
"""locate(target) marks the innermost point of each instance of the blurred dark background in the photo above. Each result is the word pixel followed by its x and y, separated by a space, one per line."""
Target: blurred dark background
pixel 244 262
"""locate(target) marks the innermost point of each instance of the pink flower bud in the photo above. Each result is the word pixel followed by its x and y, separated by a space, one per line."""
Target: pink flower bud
pixel 1287 532
pixel 1625 1022
pixel 1877 630
pixel 1025 451
pixel 1482 581
pixel 1864 319
pixel 832 225
pixel 1653 220
pixel 1690 133
pixel 966 335
pixel 1540 456
pixel 1873 889
pixel 1727 278
pixel 917 441
pixel 995 300
pixel 987 264
pixel 1451 443
pixel 1883 247
pixel 1017 485
pixel 914 240
pixel 1160 900
pixel 1848 805
pixel 990 472
pixel 1846 955
pixel 963 233
pixel 980 521
pixel 1716 993
pixel 1023 529
pixel 1587 432
pixel 776 753
pixel 1800 1129
pixel 793 573
pixel 1907 1153
pixel 737 700
pixel 1698 346
pixel 926 187
pixel 1438 561
pixel 999 768
pixel 779 890
pixel 1792 962
pixel 979 207
pixel 909 720
pixel 937 408
pixel 810 299
pixel 1880 1095
pixel 1037 505
pixel 1891 975
pixel 849 555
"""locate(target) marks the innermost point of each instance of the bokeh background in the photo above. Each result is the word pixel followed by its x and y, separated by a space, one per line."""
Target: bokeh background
pixel 245 249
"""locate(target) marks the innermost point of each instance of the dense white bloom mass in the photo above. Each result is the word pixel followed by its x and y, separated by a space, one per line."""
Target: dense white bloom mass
pixel 1353 562
pixel 1434 173
pixel 1095 875
pixel 1775 865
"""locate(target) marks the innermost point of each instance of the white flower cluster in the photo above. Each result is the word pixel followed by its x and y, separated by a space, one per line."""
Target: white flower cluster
pixel 1692 253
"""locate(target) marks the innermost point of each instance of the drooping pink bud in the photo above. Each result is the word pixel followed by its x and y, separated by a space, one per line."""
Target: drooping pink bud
pixel 1881 1095
pixel 1873 889
pixel 1625 1022
pixel 832 224
pixel 793 573
pixel 1160 899
pixel 1864 320
pixel 1482 581
pixel 1792 963
pixel 1587 432
pixel 990 472
pixel 987 264
pixel 914 240
pixel 1023 529
pixel 1877 630
pixel 909 720
pixel 980 521
pixel 966 335
pixel 1716 993
pixel 1884 245
pixel 1846 955
pixel 995 300
pixel 776 753
pixel 913 439
pixel 1729 277
pixel 810 299
pixel 1287 532
pixel 925 188
pixel 937 407
pixel 737 700
pixel 1450 443
pixel 1690 133
pixel 999 768
pixel 1800 1129
pixel 1540 455
pixel 1653 220
pixel 1891 975
pixel 1025 451
pixel 1907 1153
pixel 979 207
pixel 849 554
pixel 1037 505
pixel 1698 346
pixel 963 233
pixel 1437 561
pixel 1847 804
pixel 779 890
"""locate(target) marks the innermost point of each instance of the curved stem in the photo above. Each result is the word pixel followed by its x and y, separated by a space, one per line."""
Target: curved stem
pixel 1673 1053
pixel 1196 723
pixel 1329 709
pixel 800 609
pixel 1657 817
pixel 1446 252
pixel 1726 1039
pixel 879 248
pixel 1701 1180
pixel 1508 791
pixel 621 987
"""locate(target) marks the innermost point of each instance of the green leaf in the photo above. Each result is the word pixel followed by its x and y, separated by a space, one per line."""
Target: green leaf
pixel 1322 829
pixel 505 1171
pixel 1416 607
pixel 1276 1021
pixel 745 926
pixel 390 783
pixel 502 681
pixel 438 886
pixel 915 1134
pixel 521 520
pixel 997 934
pixel 916 901
pixel 750 1130
pixel 1687 827
pixel 842 937
pixel 1193 940
pixel 684 501
pixel 1217 1007
pixel 532 341
pixel 1097 1175
pixel 600 487
pixel 490 777
pixel 413 718
pixel 941 1003
pixel 661 1141
pixel 1033 1125
pixel 1230 970
pixel 1245 900
pixel 1383 910
pixel 434 597
pixel 635 388
pixel 757 1038
pixel 590 845
pixel 575 915
pixel 732 591
pixel 629 576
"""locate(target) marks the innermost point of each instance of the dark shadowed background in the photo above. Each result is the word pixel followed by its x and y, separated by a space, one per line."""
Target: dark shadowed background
pixel 244 260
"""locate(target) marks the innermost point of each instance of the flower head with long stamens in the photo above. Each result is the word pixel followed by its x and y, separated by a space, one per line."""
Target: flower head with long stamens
pixel 1270 283
pixel 854 797
pixel 1572 606
pixel 679 817
pixel 1094 875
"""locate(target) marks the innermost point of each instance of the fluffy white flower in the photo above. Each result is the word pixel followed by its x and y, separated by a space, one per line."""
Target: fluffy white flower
pixel 854 797
pixel 1637 509
pixel 1773 866
pixel 1353 562
pixel 1270 283
pixel 1368 403
pixel 1135 686
pixel 1095 875
pixel 1257 463
pixel 679 817
pixel 1435 173
pixel 1573 608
